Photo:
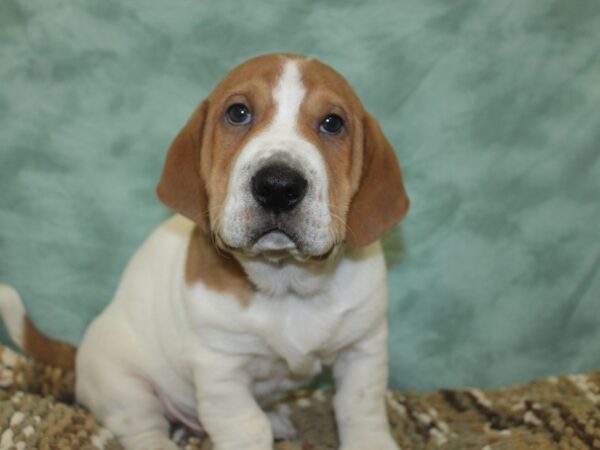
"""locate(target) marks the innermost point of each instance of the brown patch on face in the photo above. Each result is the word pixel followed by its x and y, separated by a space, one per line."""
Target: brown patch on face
pixel 218 271
pixel 366 192
pixel 327 92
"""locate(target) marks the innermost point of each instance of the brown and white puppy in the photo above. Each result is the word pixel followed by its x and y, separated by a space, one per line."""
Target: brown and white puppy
pixel 271 270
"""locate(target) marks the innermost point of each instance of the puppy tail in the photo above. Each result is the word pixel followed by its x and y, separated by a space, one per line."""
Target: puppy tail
pixel 28 338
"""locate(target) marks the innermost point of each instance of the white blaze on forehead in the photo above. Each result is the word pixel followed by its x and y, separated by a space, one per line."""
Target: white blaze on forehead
pixel 288 95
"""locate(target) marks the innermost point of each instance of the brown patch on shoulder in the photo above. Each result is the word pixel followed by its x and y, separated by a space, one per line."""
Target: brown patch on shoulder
pixel 218 271
pixel 47 350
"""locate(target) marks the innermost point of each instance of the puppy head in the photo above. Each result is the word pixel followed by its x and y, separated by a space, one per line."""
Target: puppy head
pixel 282 159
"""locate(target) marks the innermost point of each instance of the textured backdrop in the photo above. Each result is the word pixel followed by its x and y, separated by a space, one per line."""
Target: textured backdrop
pixel 493 107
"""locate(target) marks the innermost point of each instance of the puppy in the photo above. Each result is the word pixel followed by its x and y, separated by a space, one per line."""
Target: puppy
pixel 271 270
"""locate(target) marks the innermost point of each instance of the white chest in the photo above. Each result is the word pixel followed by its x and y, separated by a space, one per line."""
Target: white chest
pixel 286 339
pixel 293 341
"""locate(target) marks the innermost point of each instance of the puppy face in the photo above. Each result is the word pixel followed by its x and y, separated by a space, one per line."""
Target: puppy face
pixel 282 159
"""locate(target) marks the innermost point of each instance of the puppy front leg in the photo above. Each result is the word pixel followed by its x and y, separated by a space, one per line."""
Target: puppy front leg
pixel 361 375
pixel 228 410
pixel 123 403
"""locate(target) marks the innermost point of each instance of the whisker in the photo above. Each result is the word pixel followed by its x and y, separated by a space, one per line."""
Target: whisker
pixel 343 222
pixel 219 211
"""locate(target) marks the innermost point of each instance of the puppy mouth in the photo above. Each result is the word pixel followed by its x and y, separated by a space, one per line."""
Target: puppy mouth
pixel 275 243
pixel 275 240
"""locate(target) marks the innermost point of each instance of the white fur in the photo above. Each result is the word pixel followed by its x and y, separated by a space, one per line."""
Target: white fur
pixel 164 349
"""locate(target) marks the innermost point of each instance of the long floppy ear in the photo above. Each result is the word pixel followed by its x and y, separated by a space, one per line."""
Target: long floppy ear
pixel 381 201
pixel 181 187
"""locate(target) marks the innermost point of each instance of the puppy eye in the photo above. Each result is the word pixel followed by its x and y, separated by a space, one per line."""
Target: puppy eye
pixel 332 124
pixel 238 114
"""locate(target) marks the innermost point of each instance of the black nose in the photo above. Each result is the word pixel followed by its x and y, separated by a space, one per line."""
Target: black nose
pixel 278 187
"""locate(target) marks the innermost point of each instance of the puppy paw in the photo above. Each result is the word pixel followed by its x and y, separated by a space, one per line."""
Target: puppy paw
pixel 282 426
pixel 152 440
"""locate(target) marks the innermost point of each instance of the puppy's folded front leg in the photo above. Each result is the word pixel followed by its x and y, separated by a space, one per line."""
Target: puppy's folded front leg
pixel 227 408
pixel 361 374
pixel 125 404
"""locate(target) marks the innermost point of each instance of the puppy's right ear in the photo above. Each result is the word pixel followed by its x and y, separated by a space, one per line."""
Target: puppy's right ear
pixel 181 186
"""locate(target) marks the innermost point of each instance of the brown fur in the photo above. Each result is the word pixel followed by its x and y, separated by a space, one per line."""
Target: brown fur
pixel 181 186
pixel 218 271
pixel 381 201
pixel 46 350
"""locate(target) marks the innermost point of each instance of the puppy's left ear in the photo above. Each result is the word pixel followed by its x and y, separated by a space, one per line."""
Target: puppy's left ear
pixel 381 201
pixel 181 186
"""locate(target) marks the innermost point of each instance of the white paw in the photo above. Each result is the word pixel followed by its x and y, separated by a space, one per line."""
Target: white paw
pixel 152 440
pixel 282 426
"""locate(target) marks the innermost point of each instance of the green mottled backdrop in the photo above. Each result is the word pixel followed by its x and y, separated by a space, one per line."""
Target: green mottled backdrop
pixel 493 107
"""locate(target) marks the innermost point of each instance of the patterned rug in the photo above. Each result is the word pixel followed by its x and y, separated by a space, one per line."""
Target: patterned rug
pixel 37 412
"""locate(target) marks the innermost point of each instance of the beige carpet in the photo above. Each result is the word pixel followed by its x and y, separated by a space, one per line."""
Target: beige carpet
pixel 36 412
